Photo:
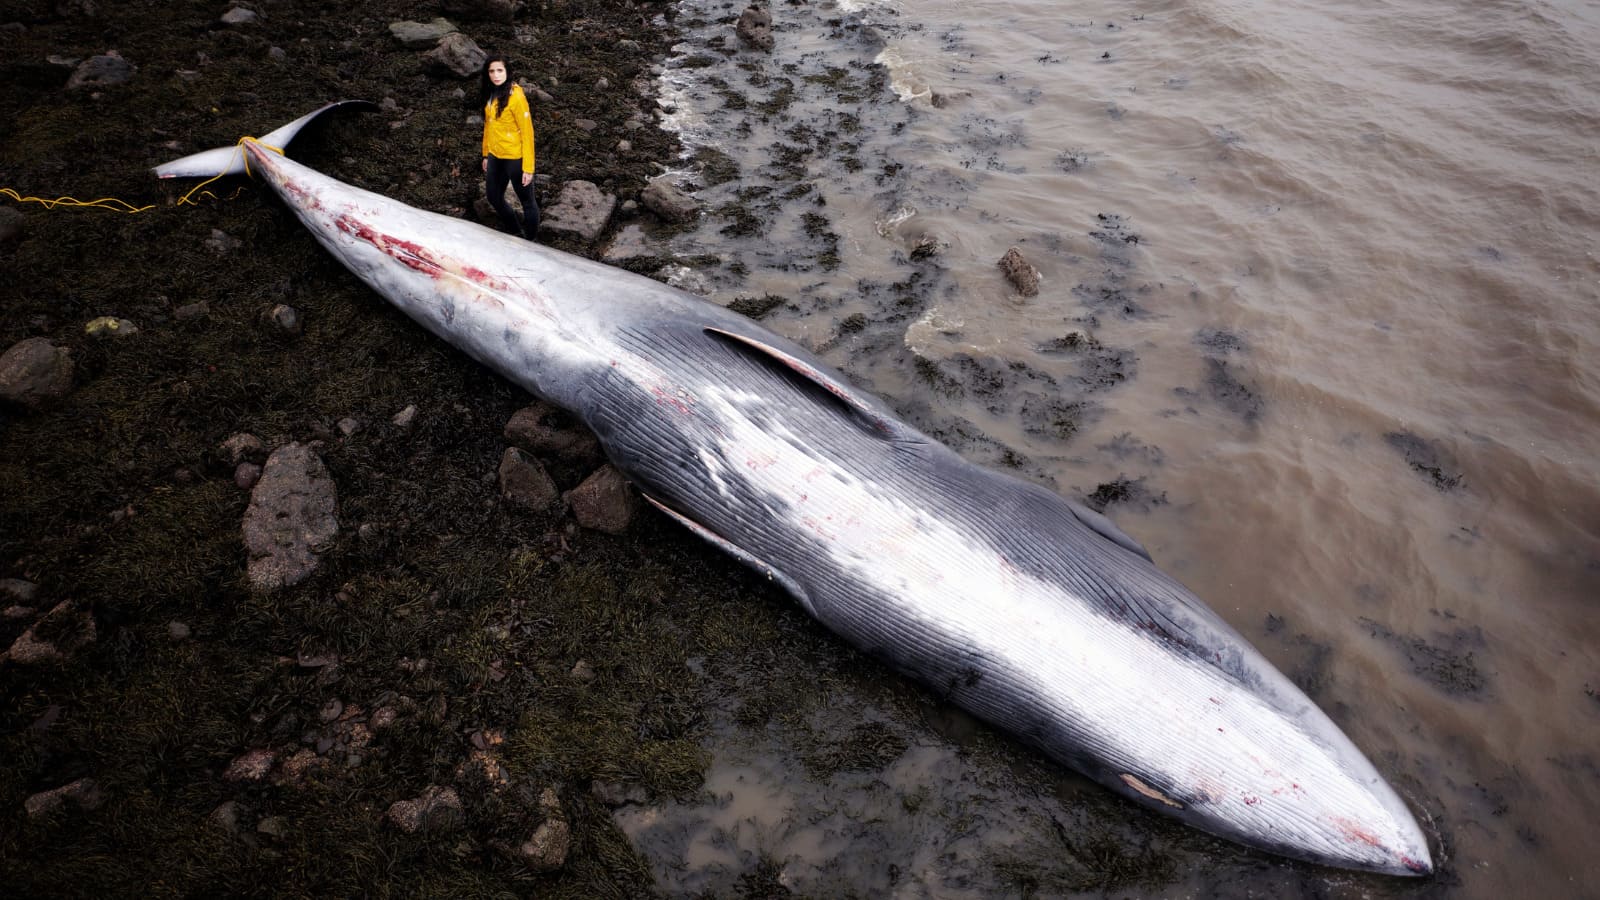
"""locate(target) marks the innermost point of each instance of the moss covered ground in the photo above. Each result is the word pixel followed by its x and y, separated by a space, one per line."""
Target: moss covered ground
pixel 454 609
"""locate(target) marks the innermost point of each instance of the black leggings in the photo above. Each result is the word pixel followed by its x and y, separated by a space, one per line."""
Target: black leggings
pixel 509 171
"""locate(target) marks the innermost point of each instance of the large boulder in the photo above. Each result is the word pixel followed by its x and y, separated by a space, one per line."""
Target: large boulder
pixel 1022 275
pixel 100 71
pixel 524 481
pixel 57 635
pixel 755 27
pixel 417 35
pixel 292 517
pixel 545 430
pixel 456 54
pixel 604 501
pixel 664 199
pixel 84 793
pixel 581 210
pixel 436 809
pixel 34 372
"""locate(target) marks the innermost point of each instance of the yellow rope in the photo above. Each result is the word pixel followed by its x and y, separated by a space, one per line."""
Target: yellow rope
pixel 124 206
pixel 110 203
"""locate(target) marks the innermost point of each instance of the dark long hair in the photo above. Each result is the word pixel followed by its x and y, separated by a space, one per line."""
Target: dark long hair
pixel 487 91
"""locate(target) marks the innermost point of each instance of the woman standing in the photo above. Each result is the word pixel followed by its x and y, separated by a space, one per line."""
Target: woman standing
pixel 508 146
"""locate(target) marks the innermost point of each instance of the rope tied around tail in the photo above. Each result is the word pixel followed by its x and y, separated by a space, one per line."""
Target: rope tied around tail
pixel 123 206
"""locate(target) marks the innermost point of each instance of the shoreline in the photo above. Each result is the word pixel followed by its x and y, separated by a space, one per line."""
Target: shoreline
pixel 190 732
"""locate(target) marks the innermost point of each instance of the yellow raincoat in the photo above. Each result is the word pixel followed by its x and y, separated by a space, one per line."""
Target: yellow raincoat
pixel 510 134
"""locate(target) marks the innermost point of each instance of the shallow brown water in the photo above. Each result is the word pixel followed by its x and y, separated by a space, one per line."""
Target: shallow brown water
pixel 1340 262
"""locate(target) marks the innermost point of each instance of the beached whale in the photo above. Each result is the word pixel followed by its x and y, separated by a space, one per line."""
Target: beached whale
pixel 1029 611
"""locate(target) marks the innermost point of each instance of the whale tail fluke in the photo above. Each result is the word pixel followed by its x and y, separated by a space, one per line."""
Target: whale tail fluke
pixel 230 160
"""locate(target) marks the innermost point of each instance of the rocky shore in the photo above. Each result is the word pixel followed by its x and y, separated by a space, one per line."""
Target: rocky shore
pixel 297 599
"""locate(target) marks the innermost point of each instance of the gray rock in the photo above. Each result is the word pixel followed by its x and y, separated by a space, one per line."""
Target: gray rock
pixel 585 125
pixel 664 199
pixel 101 71
pixel 417 35
pixel 242 446
pixel 297 768
pixel 278 54
pixel 240 15
pixel 291 518
pixel 10 225
pixel 84 793
pixel 245 475
pixel 630 243
pixel 582 671
pixel 1024 277
pixel 348 426
pixel 546 849
pixel 524 481
pixel 222 243
pixel 405 417
pixel 227 815
pixel 456 55
pixel 252 765
pixel 437 809
pixel 624 146
pixel 69 630
pixel 190 311
pixel 29 650
pixel 35 372
pixel 273 826
pixel 287 319
pixel 545 430
pixel 18 591
pixel 755 28
pixel 581 210
pixel 604 501
pixel 178 631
